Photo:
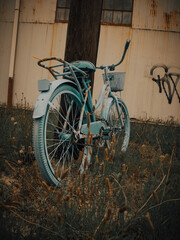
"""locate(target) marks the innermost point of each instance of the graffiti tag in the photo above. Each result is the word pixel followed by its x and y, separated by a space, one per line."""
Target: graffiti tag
pixel 168 82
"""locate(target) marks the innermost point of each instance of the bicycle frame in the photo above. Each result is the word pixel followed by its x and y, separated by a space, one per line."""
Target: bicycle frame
pixel 95 126
pixel 105 97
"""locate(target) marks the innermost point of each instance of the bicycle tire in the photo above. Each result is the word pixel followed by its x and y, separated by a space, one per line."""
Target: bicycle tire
pixel 119 122
pixel 53 143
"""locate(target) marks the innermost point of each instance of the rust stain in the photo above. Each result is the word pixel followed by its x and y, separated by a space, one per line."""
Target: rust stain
pixel 22 5
pixel 39 3
pixel 52 41
pixel 34 10
pixel 153 9
pixel 167 17
pixel 171 19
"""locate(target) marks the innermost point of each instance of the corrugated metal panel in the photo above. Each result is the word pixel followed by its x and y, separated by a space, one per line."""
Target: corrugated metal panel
pixel 7 10
pixel 38 11
pixel 157 14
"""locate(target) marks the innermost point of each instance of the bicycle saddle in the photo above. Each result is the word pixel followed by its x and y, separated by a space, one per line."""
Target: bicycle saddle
pixel 84 65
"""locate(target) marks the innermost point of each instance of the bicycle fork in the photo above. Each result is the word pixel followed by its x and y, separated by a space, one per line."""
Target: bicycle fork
pixel 82 112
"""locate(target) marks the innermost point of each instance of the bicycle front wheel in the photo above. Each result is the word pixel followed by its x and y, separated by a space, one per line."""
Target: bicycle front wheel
pixel 118 119
pixel 56 149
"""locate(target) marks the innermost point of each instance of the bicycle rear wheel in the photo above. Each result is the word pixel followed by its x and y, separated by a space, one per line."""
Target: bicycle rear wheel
pixel 118 119
pixel 56 149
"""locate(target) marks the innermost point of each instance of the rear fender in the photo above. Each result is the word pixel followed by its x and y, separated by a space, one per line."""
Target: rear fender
pixel 43 99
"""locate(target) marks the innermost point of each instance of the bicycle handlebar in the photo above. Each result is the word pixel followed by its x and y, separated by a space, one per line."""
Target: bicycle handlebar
pixel 55 73
pixel 112 67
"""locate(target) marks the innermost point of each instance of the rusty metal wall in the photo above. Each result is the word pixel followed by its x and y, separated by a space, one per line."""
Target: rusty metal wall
pixel 161 15
pixel 36 37
pixel 39 40
pixel 148 48
pixel 155 37
pixel 38 11
pixel 7 10
pixel 155 40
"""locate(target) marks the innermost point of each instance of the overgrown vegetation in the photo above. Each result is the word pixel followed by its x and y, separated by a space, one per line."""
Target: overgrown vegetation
pixel 136 195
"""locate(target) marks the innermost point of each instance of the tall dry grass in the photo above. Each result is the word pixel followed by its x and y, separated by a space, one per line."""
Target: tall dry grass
pixel 132 195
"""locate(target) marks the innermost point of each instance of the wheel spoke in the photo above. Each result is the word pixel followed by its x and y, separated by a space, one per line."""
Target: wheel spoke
pixel 62 116
pixel 63 155
pixel 55 132
pixel 54 152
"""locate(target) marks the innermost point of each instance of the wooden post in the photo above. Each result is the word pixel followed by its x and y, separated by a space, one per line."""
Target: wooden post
pixel 83 31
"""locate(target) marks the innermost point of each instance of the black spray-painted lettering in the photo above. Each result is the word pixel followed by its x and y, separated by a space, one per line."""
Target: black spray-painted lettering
pixel 168 82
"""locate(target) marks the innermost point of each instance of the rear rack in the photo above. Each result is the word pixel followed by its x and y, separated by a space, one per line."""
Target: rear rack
pixel 69 70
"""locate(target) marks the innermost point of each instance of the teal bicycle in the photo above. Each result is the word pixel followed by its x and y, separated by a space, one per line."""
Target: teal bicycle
pixel 66 130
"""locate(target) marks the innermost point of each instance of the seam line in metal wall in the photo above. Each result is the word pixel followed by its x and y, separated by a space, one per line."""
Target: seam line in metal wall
pixel 155 30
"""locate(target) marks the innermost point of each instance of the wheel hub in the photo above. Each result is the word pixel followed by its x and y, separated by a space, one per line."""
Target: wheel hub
pixel 65 136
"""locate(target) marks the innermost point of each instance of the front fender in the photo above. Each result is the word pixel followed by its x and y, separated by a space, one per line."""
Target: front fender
pixel 42 101
pixel 105 107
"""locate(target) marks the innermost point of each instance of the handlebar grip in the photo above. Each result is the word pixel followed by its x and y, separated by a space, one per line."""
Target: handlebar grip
pixel 124 53
pixel 127 44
